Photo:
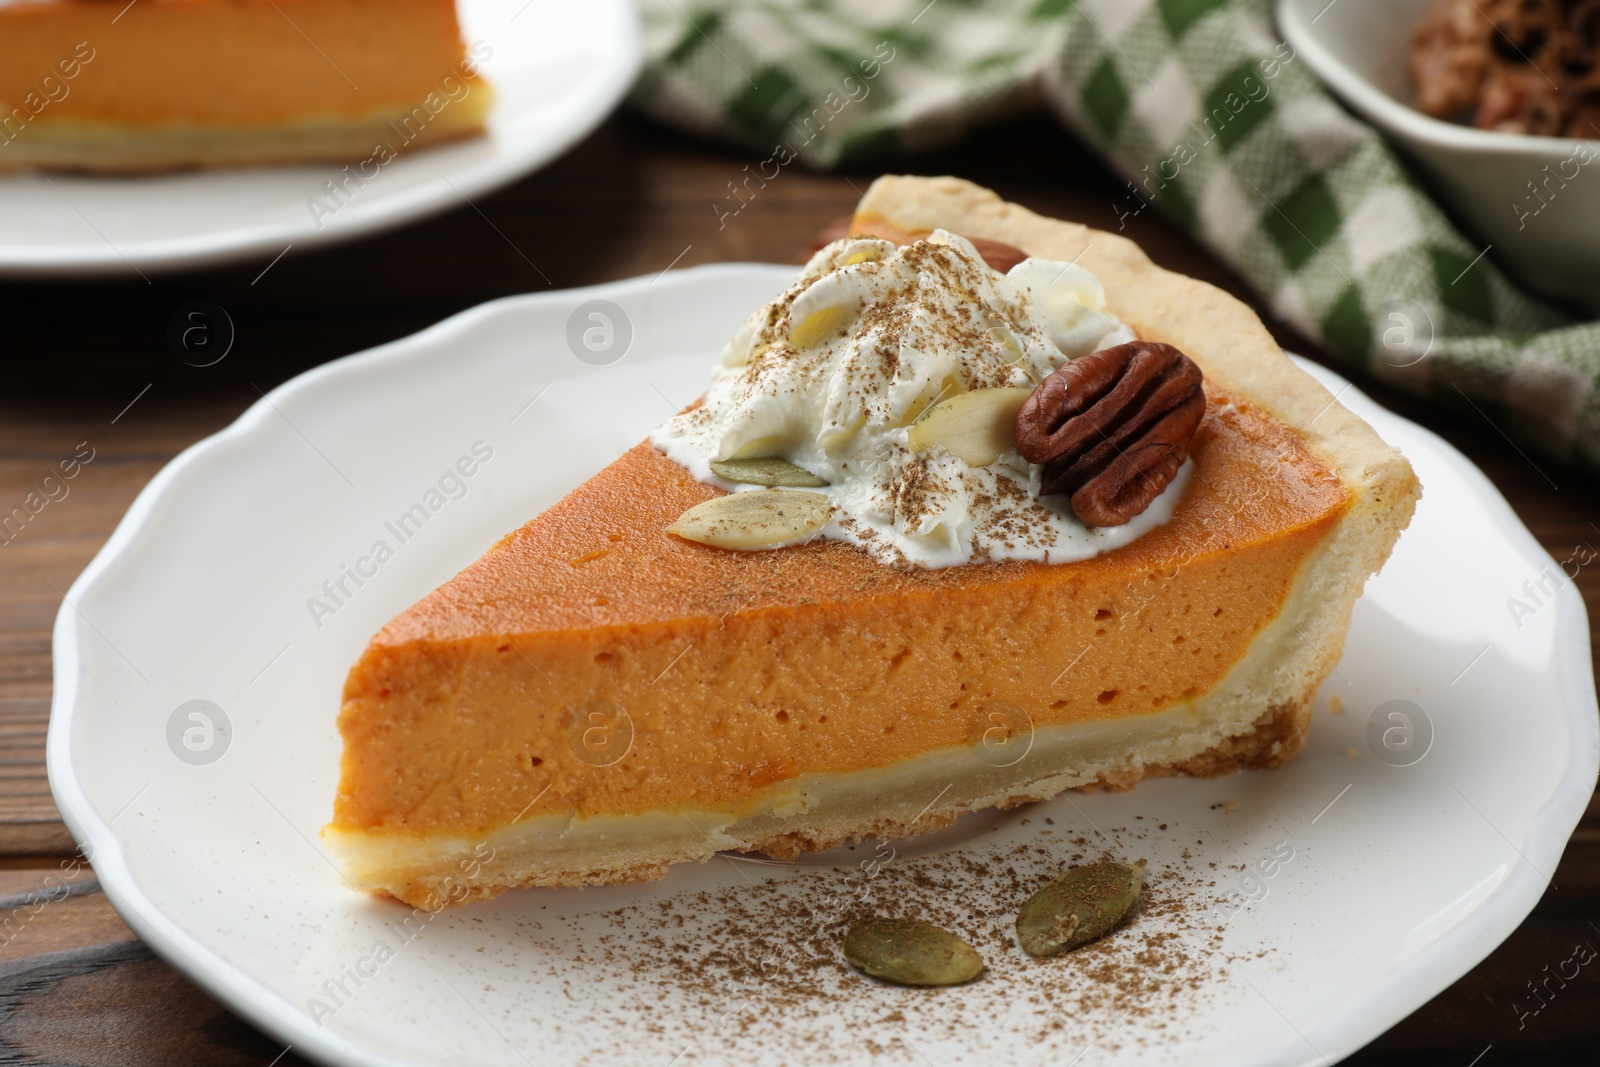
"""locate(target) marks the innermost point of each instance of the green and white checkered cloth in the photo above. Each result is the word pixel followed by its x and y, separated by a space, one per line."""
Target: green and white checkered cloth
pixel 1214 122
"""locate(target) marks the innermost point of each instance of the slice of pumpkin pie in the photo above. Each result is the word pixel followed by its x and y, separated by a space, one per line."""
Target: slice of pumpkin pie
pixel 152 85
pixel 985 507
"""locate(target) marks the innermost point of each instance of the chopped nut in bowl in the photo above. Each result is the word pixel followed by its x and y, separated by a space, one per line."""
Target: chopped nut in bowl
pixel 1513 66
pixel 1496 102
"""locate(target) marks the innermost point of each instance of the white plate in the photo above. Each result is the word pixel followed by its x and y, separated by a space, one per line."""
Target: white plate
pixel 558 69
pixel 1403 877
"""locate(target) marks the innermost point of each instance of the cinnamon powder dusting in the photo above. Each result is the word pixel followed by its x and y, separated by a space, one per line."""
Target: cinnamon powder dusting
pixel 754 971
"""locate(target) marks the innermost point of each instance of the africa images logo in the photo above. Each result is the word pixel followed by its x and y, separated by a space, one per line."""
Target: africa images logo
pixel 198 732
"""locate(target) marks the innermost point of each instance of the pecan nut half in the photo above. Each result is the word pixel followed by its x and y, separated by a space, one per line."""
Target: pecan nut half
pixel 1112 428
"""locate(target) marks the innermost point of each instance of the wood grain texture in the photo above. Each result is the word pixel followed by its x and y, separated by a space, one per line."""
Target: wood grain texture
pixel 76 987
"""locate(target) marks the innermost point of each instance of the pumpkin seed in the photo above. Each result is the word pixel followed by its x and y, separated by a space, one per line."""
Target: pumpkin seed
pixel 760 518
pixel 1078 906
pixel 979 427
pixel 766 470
pixel 910 952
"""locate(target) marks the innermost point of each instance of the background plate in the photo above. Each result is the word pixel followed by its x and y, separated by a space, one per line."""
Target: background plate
pixel 558 69
pixel 1297 913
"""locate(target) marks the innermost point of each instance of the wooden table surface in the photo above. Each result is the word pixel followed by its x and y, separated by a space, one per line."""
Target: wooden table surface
pixel 90 362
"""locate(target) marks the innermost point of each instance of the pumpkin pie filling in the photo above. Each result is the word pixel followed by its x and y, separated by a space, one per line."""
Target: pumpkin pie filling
pixel 171 83
pixel 595 699
pixel 843 667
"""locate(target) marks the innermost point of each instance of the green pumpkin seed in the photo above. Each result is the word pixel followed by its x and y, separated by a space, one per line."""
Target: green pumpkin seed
pixel 758 518
pixel 1078 906
pixel 766 470
pixel 910 952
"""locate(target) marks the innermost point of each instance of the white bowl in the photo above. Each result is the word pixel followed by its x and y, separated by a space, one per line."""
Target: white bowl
pixel 1551 243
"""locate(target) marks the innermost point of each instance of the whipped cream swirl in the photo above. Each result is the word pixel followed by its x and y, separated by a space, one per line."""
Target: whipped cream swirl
pixel 833 373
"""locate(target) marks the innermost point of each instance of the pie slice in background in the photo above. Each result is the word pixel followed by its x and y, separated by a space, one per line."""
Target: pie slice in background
pixel 163 84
